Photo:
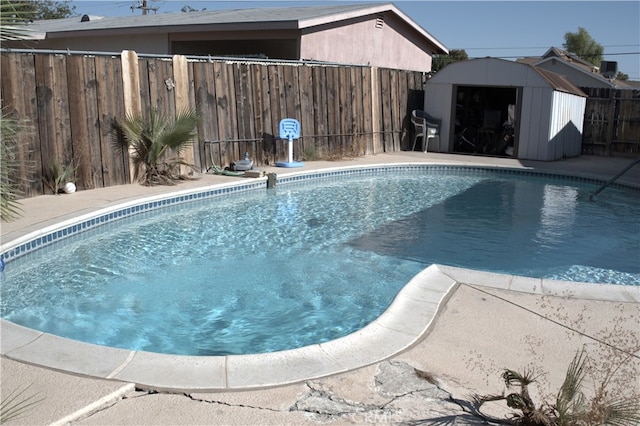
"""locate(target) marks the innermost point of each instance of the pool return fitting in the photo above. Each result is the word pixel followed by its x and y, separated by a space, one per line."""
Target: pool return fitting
pixel 271 180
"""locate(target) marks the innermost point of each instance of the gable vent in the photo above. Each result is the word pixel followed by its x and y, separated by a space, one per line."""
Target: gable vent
pixel 379 22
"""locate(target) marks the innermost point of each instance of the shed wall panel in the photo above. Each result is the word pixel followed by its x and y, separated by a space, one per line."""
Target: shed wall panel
pixel 534 125
pixel 438 100
pixel 565 131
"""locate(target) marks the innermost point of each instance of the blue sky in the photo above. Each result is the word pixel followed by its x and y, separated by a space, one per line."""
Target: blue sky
pixel 506 29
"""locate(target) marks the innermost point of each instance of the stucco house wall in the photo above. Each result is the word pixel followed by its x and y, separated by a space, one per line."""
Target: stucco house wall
pixel 386 41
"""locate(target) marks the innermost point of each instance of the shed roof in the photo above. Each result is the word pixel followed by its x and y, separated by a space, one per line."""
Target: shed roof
pixel 559 82
pixel 295 18
pixel 493 71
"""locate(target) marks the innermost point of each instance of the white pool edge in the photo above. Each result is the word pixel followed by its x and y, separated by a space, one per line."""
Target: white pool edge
pixel 406 322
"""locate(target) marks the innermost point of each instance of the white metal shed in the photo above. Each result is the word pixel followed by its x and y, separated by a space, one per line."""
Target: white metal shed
pixel 492 106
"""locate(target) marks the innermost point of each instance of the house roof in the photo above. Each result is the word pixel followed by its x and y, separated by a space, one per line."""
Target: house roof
pixel 295 18
pixel 563 55
pixel 573 61
pixel 569 57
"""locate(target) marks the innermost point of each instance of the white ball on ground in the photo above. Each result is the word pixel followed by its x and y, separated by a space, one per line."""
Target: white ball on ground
pixel 69 187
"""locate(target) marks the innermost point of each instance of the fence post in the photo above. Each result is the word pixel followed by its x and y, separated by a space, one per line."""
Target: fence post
pixel 376 117
pixel 181 93
pixel 131 91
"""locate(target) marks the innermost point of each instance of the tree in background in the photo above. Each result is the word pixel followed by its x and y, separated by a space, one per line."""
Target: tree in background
pixel 584 46
pixel 40 9
pixel 440 61
pixel 49 9
pixel 622 76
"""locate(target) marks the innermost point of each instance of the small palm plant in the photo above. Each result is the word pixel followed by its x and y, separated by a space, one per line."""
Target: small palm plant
pixel 13 15
pixel 571 407
pixel 155 145
pixel 57 176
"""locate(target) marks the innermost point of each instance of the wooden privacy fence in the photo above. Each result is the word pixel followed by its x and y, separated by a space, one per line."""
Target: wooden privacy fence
pixel 67 105
pixel 611 122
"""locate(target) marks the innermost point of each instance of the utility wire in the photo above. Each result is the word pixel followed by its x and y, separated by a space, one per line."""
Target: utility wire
pixel 520 56
pixel 539 47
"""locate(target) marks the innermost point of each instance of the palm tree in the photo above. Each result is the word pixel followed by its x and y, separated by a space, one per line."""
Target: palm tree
pixel 12 19
pixel 13 16
pixel 155 145
pixel 9 168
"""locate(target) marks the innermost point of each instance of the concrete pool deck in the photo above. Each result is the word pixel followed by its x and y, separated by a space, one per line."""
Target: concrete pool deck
pixel 462 326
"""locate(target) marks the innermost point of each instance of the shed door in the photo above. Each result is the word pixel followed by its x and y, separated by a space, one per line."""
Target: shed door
pixel 485 120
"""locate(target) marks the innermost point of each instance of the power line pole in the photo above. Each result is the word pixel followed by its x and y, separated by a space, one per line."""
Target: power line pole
pixel 142 5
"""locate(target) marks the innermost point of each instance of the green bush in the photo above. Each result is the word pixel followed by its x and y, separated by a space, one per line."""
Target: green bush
pixel 9 165
pixel 155 145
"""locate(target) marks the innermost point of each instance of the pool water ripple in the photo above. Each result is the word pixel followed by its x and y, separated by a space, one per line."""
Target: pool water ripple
pixel 306 263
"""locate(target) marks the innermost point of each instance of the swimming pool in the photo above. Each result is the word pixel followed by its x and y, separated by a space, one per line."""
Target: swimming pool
pixel 349 240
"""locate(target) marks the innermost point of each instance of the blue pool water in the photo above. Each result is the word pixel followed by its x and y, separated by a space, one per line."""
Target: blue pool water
pixel 308 262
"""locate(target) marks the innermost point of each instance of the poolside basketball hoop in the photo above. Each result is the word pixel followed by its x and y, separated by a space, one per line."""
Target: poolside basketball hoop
pixel 290 130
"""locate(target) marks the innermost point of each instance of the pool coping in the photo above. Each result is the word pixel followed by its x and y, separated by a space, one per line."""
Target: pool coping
pixel 405 323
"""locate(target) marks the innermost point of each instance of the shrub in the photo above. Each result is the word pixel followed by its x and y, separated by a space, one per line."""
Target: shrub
pixel 9 164
pixel 155 145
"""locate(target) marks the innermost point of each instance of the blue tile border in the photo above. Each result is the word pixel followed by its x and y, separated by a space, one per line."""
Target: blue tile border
pixel 112 216
pixel 173 200
pixel 374 170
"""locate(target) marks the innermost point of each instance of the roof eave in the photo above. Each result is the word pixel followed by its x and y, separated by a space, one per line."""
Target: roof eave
pixel 168 29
